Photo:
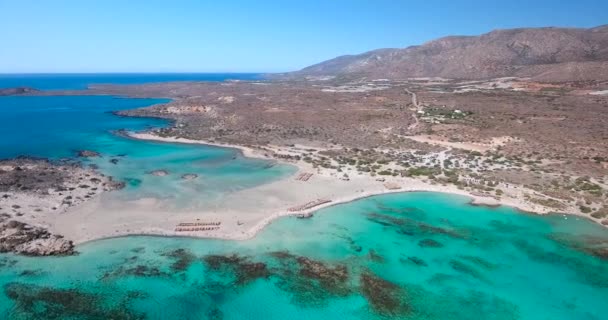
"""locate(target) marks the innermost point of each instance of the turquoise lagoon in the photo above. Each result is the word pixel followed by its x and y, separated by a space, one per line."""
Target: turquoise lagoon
pixel 399 256
pixel 56 127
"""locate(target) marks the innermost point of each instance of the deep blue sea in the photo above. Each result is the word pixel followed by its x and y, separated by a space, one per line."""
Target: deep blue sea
pixel 400 256
pixel 82 81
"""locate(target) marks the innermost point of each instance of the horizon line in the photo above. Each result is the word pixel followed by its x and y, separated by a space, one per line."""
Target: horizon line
pixel 141 72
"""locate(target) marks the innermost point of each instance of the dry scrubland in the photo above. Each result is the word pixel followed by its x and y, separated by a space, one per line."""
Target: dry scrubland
pixel 548 141
pixel 541 147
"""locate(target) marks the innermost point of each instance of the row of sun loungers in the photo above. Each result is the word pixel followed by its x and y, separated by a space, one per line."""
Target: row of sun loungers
pixel 192 224
pixel 309 205
pixel 304 176
pixel 188 229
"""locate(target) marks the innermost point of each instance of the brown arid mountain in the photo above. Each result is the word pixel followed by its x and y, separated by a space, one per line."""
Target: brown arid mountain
pixel 543 54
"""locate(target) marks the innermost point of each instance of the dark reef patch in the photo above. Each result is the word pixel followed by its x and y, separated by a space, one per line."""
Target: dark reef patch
pixel 591 245
pixel 136 271
pixel 182 259
pixel 478 261
pixel 466 269
pixel 375 256
pixel 384 297
pixel 311 282
pixel 352 244
pixel 412 212
pixel 429 243
pixel 7 262
pixel 592 272
pixel 415 260
pixel 36 302
pixel 31 273
pixel 133 182
pixel 138 250
pixel 412 227
pixel 504 227
pixel 242 269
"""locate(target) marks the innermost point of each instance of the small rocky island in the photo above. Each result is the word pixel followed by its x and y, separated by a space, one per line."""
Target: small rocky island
pixel 48 189
pixel 17 91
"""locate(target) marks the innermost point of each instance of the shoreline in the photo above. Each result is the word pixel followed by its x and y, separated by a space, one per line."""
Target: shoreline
pixel 272 219
pixel 244 213
pixel 252 228
pixel 248 152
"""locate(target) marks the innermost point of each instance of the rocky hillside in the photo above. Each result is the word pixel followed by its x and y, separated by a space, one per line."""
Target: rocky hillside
pixel 545 54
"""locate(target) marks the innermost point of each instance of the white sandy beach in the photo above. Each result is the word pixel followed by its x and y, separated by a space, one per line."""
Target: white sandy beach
pixel 243 213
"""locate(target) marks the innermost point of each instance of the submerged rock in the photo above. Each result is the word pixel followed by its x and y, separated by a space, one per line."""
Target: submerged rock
pixel 136 271
pixel 430 243
pixel 592 245
pixel 410 227
pixel 417 261
pixel 242 268
pixel 88 154
pixel 182 259
pixel 329 276
pixel 133 182
pixel 189 176
pixel 311 282
pixel 478 261
pixel 601 253
pixel 159 173
pixel 384 297
pixel 375 257
pixel 36 302
pixel 466 269
pixel 115 185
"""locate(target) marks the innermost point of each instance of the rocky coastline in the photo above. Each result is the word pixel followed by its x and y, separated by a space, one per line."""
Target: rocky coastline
pixel 33 189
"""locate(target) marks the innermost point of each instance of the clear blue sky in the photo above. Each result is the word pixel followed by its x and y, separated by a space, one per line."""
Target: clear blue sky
pixel 248 36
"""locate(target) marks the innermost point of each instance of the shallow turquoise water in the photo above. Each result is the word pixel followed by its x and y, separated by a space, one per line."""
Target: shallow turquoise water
pixel 56 127
pixel 478 263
